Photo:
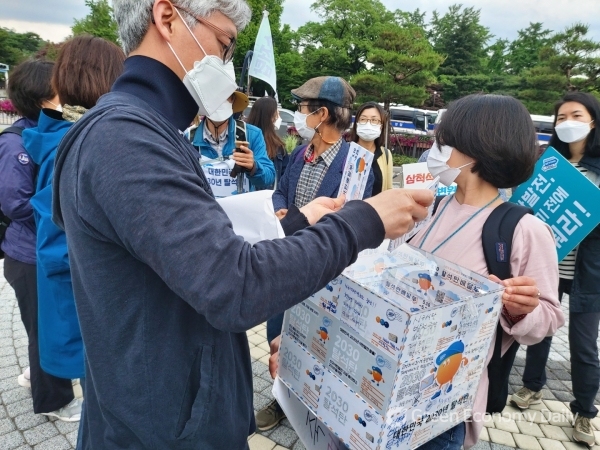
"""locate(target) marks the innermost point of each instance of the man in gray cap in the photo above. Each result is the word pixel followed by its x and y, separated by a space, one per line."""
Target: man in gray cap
pixel 324 113
pixel 315 170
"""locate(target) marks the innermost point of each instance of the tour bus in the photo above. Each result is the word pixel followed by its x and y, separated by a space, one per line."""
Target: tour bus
pixel 544 125
pixel 411 120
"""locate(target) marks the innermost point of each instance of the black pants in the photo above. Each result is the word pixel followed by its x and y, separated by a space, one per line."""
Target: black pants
pixel 49 392
pixel 585 367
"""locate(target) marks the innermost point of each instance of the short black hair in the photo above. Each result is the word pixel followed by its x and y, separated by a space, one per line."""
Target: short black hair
pixel 29 86
pixel 497 132
pixel 592 143
pixel 339 117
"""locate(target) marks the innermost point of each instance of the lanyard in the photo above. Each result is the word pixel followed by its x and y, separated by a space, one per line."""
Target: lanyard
pixel 457 230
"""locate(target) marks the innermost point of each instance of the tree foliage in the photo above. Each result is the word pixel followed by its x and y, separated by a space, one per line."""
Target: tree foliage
pixel 99 22
pixel 15 47
pixel 341 42
pixel 459 36
pixel 403 64
pixel 524 52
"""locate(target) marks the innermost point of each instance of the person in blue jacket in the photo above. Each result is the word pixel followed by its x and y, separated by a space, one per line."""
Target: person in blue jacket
pixel 78 85
pixel 29 90
pixel 215 139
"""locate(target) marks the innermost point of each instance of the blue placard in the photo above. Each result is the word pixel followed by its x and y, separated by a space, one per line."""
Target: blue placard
pixel 562 197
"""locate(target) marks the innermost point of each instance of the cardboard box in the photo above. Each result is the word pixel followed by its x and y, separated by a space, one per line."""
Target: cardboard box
pixel 396 347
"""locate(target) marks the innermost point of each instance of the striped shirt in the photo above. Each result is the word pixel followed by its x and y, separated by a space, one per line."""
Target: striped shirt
pixel 566 268
pixel 313 173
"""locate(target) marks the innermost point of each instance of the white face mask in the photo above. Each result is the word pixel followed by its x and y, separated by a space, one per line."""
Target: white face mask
pixel 56 107
pixel 223 112
pixel 302 128
pixel 209 81
pixel 437 163
pixel 368 132
pixel 277 123
pixel 572 131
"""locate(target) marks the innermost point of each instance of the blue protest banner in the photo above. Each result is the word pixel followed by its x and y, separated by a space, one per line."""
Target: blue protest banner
pixel 562 197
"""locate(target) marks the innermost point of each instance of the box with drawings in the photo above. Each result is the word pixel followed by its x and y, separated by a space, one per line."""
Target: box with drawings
pixel 393 348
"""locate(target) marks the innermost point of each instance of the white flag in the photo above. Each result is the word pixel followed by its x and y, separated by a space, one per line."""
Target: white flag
pixel 263 60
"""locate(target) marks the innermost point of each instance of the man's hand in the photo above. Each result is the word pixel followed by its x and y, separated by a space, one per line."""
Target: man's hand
pixel 281 213
pixel 399 209
pixel 274 355
pixel 245 158
pixel 320 206
pixel 521 294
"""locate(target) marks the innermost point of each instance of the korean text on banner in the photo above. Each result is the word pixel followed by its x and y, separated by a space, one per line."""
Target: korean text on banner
pixel 263 60
pixel 417 176
pixel 563 198
pixel 356 172
pixel 217 174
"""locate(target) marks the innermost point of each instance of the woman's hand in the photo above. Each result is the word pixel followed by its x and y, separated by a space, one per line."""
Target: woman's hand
pixel 521 294
pixel 274 355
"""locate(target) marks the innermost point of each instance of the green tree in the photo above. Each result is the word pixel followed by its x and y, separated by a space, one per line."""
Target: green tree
pixel 341 42
pixel 497 62
pixel 15 47
pixel 99 22
pixel 524 52
pixel 459 36
pixel 541 87
pixel 416 17
pixel 576 57
pixel 403 63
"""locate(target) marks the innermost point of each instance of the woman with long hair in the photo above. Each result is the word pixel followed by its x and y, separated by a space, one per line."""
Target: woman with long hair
pixel 369 124
pixel 85 69
pixel 264 115
pixel 575 136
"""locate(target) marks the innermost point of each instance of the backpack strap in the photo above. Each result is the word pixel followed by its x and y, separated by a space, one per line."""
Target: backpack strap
pixel 437 202
pixel 497 237
pixel 13 130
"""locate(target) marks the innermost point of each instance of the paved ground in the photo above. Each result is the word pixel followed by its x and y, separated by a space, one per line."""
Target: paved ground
pixel 546 426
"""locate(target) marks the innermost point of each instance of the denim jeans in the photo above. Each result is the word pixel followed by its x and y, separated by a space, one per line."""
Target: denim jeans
pixel 453 439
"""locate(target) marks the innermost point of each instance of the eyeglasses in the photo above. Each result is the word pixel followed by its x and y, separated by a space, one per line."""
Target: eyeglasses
pixel 364 121
pixel 228 50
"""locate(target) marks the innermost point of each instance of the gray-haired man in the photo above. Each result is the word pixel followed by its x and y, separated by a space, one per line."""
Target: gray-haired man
pixel 164 288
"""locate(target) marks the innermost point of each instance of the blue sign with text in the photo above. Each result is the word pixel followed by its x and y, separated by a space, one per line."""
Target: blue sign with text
pixel 562 197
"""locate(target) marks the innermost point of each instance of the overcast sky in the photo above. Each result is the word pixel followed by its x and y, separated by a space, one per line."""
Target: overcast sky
pixel 52 19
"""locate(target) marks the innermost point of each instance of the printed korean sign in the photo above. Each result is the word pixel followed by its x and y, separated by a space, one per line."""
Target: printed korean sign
pixel 356 172
pixel 417 176
pixel 563 198
pixel 217 175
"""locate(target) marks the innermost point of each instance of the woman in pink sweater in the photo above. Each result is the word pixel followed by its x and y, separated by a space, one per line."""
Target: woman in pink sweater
pixel 487 142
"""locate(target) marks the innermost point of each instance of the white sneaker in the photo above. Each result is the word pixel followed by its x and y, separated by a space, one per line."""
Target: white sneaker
pixel 25 379
pixel 68 413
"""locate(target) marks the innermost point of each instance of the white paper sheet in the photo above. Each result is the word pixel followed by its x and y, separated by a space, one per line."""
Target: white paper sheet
pixel 356 172
pixel 311 431
pixel 252 216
